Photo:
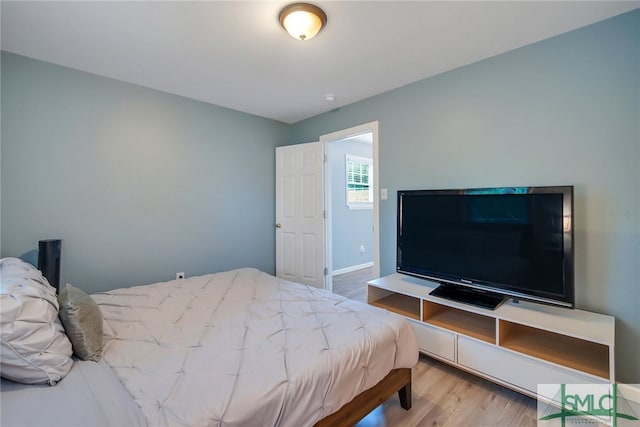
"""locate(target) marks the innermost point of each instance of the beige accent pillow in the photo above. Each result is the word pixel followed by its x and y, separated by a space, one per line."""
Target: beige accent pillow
pixel 82 321
pixel 33 346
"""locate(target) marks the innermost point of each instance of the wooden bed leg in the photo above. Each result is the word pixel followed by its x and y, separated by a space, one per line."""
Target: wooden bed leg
pixel 405 396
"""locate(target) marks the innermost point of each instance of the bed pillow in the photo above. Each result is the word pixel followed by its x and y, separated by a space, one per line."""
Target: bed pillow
pixel 33 346
pixel 82 321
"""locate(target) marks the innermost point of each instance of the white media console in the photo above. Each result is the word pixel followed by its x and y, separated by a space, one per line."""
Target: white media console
pixel 518 345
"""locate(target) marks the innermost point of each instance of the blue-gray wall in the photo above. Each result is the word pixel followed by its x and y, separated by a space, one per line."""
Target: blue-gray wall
pixel 562 111
pixel 351 228
pixel 138 183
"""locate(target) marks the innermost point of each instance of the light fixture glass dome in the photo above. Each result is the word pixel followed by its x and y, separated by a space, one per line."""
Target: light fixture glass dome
pixel 302 20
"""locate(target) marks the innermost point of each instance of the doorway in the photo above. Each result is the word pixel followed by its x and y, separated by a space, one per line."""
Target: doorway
pixel 351 202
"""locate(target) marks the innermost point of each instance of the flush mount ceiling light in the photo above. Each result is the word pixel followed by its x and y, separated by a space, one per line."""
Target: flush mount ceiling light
pixel 302 20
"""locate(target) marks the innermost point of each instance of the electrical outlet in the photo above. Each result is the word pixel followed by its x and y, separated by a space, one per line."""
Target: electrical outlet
pixel 180 275
pixel 361 249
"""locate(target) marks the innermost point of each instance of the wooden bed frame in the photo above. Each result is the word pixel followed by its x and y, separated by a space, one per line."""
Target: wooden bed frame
pixel 398 380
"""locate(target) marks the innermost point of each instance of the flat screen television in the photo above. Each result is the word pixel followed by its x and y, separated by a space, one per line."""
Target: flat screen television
pixel 485 245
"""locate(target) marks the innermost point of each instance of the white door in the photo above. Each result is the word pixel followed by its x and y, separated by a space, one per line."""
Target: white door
pixel 300 214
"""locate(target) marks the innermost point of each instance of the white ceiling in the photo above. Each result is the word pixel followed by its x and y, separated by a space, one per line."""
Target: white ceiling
pixel 235 54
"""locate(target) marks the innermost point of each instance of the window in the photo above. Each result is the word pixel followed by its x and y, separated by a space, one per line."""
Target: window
pixel 359 182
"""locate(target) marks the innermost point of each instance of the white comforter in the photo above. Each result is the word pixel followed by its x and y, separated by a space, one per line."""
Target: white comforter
pixel 243 348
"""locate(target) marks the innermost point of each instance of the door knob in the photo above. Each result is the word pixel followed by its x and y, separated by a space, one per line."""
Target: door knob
pixel 278 225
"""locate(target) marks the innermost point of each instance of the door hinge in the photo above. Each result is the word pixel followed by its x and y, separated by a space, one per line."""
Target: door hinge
pixel 326 271
pixel 324 214
pixel 324 158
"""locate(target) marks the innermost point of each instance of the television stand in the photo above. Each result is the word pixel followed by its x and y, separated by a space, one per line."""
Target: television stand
pixel 516 345
pixel 477 297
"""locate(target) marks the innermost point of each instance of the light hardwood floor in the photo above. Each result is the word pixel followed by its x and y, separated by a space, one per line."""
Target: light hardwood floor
pixel 353 285
pixel 448 397
pixel 442 395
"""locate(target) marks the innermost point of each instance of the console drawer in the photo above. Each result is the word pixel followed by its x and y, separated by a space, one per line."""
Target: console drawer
pixel 515 369
pixel 435 341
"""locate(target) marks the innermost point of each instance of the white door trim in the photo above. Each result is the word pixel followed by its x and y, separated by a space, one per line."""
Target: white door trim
pixel 371 127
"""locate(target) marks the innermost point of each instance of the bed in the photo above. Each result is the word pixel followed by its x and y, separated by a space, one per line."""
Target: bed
pixel 236 348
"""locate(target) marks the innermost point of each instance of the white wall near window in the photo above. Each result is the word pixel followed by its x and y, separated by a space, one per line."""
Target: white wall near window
pixel 352 229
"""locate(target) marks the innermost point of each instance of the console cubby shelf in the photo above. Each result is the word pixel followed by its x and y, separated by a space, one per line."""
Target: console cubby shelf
pixel 471 324
pixel 580 354
pixel 405 305
pixel 517 345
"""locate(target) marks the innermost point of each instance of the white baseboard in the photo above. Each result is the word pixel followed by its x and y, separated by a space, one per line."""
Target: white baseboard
pixel 352 268
pixel 631 392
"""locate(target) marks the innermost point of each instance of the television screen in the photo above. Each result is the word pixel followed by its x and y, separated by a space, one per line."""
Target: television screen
pixel 515 241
